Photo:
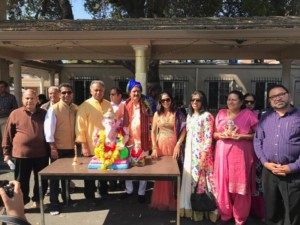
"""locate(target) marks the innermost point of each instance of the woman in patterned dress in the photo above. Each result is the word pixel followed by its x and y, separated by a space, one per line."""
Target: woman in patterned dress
pixel 168 133
pixel 198 161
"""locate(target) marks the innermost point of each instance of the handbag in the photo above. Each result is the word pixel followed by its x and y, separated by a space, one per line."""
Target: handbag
pixel 203 201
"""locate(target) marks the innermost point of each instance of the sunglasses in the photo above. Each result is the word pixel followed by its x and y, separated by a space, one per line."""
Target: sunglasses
pixel 249 102
pixel 165 100
pixel 196 100
pixel 66 92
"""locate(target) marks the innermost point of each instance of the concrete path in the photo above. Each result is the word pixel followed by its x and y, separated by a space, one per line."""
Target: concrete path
pixel 110 211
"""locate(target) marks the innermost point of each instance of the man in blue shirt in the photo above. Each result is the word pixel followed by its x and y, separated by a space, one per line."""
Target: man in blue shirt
pixel 8 103
pixel 277 145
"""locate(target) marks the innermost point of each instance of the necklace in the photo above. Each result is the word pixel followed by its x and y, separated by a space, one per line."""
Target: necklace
pixel 167 116
pixel 231 115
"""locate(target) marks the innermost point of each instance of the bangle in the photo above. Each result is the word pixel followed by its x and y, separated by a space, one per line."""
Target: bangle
pixel 178 143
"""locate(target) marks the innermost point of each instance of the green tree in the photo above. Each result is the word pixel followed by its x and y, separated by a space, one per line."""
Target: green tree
pixel 39 9
pixel 249 8
pixel 62 9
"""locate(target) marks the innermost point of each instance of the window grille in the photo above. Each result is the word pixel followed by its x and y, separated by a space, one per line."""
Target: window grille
pixel 260 87
pixel 218 89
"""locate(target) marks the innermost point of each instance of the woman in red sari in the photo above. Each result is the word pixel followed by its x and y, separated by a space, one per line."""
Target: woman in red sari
pixel 234 166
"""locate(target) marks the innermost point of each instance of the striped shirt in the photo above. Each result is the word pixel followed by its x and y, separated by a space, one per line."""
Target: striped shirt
pixel 277 139
pixel 8 103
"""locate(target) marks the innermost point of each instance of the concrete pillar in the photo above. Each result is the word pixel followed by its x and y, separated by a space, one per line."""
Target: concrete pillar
pixel 3 8
pixel 286 73
pixel 42 85
pixel 141 65
pixel 52 78
pixel 17 74
pixel 4 70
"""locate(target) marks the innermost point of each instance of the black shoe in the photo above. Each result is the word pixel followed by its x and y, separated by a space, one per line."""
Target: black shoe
pixel 124 196
pixel 93 201
pixel 222 222
pixel 26 201
pixel 71 202
pixel 105 196
pixel 141 199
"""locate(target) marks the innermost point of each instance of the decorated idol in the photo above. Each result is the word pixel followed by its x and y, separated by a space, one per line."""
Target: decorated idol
pixel 110 150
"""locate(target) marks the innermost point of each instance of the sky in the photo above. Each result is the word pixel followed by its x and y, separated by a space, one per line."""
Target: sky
pixel 78 10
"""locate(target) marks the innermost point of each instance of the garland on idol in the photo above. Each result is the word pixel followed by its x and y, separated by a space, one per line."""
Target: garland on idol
pixel 107 154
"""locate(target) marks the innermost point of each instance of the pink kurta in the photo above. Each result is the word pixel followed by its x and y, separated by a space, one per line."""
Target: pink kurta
pixel 234 166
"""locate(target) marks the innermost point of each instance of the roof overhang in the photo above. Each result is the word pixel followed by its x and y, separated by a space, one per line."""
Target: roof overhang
pixel 192 38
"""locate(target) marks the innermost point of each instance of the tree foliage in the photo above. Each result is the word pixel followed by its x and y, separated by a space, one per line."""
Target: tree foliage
pixel 151 8
pixel 249 8
pixel 62 9
pixel 39 9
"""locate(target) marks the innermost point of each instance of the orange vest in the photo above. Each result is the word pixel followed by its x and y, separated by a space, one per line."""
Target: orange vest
pixel 64 135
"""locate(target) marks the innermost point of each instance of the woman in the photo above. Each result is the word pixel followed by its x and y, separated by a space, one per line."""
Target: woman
pixel 234 166
pixel 250 101
pixel 168 133
pixel 198 161
pixel 257 199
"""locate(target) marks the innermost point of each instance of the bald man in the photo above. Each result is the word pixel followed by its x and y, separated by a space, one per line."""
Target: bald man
pixel 24 141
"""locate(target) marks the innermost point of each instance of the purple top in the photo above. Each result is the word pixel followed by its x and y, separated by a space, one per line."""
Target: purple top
pixel 277 139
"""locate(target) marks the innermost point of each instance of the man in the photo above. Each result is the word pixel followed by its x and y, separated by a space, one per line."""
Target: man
pixel 137 117
pixel 59 128
pixel 25 141
pixel 8 103
pixel 117 102
pixel 118 107
pixel 53 95
pixel 89 118
pixel 277 145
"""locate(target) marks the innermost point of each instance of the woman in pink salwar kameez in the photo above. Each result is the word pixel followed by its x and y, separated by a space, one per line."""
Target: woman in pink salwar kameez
pixel 234 166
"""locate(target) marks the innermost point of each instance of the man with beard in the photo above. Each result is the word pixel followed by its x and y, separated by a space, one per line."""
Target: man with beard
pixel 277 145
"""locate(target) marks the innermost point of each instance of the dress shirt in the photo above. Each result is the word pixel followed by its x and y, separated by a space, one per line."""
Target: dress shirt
pixel 277 139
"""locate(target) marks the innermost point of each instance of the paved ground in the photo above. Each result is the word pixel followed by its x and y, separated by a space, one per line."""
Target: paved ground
pixel 109 211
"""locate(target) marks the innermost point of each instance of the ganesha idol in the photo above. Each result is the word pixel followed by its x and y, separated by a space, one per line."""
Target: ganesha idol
pixel 110 151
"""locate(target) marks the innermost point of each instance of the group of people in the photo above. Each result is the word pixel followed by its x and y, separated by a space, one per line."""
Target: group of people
pixel 234 155
pixel 248 159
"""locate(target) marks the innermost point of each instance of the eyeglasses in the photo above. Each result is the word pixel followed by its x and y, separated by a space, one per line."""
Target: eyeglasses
pixel 165 100
pixel 273 97
pixel 196 100
pixel 66 92
pixel 249 102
